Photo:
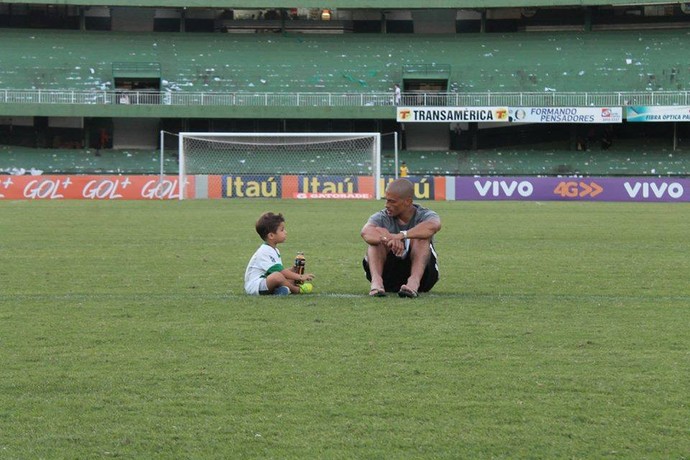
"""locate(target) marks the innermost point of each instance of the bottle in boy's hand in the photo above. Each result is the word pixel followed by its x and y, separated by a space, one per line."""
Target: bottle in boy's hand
pixel 300 263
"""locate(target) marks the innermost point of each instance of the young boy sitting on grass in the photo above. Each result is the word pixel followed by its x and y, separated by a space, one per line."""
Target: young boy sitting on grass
pixel 265 274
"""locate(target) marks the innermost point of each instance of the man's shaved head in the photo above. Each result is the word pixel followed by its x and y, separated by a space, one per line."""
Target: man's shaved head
pixel 402 188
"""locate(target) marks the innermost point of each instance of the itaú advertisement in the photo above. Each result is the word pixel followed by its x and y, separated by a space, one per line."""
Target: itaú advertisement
pixel 296 186
pixel 91 187
pixel 658 113
pixel 451 114
pixel 566 114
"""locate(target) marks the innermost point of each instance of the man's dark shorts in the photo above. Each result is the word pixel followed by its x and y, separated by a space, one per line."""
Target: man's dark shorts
pixel 396 271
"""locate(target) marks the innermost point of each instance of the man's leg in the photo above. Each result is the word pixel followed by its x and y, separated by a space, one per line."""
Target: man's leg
pixel 420 252
pixel 376 258
pixel 431 275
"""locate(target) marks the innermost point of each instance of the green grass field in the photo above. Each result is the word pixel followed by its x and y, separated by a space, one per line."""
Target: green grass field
pixel 558 330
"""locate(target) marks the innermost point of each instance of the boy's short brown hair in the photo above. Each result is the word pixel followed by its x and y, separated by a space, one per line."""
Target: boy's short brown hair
pixel 268 223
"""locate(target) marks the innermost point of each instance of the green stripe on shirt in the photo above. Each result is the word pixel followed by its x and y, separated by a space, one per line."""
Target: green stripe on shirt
pixel 273 269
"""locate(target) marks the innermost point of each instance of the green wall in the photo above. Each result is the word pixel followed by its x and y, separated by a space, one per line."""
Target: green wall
pixel 163 111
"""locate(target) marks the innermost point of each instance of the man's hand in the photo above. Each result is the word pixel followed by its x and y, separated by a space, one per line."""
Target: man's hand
pixel 396 246
pixel 379 235
pixel 393 241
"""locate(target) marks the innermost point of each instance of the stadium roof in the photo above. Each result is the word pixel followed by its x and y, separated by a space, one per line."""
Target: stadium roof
pixel 367 4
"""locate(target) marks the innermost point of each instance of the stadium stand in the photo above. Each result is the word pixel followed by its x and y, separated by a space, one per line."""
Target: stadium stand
pixel 618 47
pixel 630 159
pixel 540 61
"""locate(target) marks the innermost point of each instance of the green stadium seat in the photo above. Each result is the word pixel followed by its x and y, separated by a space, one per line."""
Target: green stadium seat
pixel 534 62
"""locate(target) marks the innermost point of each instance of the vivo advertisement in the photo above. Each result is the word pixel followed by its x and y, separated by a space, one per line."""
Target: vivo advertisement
pixel 572 189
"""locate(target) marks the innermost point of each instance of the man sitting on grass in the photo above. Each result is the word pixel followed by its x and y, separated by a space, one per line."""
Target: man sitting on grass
pixel 400 253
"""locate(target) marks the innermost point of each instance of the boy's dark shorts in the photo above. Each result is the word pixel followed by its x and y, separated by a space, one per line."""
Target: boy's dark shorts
pixel 396 271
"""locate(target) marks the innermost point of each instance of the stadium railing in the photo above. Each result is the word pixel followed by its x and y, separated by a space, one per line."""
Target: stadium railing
pixel 325 99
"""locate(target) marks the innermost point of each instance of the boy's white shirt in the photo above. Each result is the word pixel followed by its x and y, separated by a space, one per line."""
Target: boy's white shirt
pixel 265 261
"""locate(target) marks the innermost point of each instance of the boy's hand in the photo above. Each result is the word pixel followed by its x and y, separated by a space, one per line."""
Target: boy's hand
pixel 306 277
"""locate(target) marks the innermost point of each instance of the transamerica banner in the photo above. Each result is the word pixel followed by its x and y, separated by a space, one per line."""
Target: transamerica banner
pixel 452 114
pixel 566 114
pixel 511 114
pixel 663 113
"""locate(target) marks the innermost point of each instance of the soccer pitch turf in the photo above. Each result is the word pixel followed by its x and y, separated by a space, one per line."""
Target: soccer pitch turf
pixel 557 330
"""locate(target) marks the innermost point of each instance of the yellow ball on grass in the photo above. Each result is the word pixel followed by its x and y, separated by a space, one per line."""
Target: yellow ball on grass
pixel 306 288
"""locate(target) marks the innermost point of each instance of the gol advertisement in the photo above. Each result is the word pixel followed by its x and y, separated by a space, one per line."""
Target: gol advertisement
pixel 91 187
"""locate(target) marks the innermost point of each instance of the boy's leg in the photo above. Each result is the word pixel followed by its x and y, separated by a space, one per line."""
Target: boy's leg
pixel 277 279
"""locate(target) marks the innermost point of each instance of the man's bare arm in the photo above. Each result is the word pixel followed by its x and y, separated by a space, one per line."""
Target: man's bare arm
pixel 374 235
pixel 422 231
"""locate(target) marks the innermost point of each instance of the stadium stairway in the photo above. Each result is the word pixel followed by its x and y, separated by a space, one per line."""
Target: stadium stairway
pixel 534 62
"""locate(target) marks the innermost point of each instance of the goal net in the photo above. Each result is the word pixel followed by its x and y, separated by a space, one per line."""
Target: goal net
pixel 310 157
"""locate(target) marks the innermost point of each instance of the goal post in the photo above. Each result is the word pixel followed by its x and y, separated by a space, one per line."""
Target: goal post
pixel 279 154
